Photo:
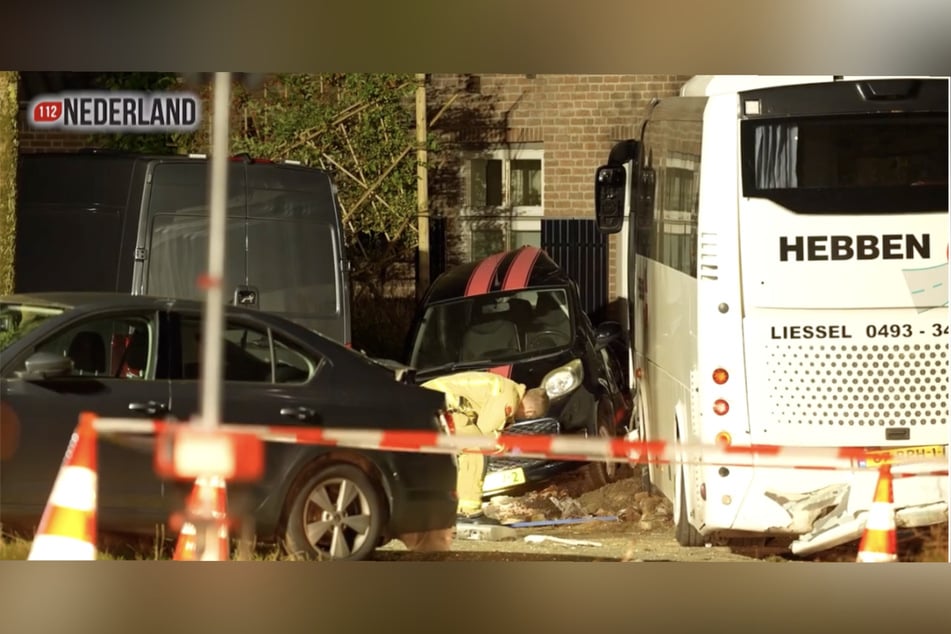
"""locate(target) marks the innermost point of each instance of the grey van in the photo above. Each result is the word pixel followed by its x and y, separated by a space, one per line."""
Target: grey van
pixel 104 221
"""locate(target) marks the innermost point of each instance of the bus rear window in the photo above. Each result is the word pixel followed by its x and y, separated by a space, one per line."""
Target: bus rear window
pixel 881 163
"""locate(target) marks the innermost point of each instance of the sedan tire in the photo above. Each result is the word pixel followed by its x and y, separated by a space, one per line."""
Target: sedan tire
pixel 338 514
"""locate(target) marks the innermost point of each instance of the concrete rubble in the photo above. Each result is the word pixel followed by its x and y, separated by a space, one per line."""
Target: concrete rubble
pixel 566 499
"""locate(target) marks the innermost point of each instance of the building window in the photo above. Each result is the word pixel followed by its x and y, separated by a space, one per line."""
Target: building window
pixel 526 182
pixel 505 196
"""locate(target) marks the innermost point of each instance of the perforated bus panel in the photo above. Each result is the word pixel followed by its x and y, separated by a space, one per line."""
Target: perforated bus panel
pixel 854 393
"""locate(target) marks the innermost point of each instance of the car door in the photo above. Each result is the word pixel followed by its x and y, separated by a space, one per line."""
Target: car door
pixel 115 356
pixel 252 391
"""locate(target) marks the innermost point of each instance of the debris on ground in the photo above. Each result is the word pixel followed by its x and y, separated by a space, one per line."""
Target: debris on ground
pixel 569 497
pixel 537 539
pixel 484 532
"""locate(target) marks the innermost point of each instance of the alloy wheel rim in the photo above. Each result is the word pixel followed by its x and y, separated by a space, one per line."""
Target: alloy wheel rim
pixel 337 518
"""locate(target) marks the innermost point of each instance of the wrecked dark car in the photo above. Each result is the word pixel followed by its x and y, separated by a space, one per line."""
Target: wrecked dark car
pixel 517 313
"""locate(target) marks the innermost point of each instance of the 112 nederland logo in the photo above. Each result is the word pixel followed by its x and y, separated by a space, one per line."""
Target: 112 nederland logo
pixel 117 111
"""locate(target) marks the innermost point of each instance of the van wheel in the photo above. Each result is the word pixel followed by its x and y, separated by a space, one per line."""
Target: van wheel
pixel 685 533
pixel 337 514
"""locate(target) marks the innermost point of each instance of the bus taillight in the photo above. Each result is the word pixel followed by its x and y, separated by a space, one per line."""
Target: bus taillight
pixel 724 439
pixel 720 407
pixel 720 376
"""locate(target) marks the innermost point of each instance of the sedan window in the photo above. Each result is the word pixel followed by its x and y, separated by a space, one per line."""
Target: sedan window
pixel 110 347
pixel 16 320
pixel 248 353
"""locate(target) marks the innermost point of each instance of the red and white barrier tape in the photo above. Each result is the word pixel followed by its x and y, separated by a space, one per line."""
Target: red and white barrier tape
pixel 552 447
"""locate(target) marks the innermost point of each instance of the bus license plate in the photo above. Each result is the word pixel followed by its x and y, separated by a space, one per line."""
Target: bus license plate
pixel 503 479
pixel 900 455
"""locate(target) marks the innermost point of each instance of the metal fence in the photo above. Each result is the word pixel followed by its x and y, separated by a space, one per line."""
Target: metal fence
pixel 582 251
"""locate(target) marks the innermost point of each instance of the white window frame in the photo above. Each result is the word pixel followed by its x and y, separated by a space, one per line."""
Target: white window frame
pixel 512 218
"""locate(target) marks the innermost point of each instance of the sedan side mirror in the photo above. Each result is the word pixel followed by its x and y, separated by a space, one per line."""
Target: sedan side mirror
pixel 45 365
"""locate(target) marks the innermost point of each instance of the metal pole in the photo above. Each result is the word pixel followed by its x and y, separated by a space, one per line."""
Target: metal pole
pixel 422 187
pixel 214 306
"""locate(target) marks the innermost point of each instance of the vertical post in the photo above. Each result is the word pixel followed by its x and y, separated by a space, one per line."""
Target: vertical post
pixel 9 108
pixel 422 187
pixel 214 305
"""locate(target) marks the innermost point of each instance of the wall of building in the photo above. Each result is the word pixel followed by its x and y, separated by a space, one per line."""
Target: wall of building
pixel 31 140
pixel 576 119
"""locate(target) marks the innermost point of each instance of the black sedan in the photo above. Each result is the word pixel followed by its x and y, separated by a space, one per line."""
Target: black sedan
pixel 120 356
pixel 519 314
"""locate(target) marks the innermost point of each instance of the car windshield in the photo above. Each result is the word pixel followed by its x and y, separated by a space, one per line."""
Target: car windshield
pixel 18 319
pixel 498 327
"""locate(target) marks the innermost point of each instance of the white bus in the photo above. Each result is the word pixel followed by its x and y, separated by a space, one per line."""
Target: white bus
pixel 785 255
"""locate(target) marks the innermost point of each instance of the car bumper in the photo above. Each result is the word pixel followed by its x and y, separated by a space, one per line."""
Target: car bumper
pixel 506 474
pixel 509 474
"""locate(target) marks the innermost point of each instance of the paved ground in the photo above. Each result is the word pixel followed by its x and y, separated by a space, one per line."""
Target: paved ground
pixel 600 541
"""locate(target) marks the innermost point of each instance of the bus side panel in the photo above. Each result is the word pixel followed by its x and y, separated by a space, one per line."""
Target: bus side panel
pixel 663 319
pixel 720 311
pixel 665 287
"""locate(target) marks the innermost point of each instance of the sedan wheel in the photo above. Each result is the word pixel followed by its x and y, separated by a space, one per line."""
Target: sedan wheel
pixel 338 514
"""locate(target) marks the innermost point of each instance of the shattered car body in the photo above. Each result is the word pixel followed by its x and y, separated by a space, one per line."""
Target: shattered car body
pixel 518 314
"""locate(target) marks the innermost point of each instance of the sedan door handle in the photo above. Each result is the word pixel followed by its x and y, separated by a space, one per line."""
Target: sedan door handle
pixel 299 413
pixel 151 408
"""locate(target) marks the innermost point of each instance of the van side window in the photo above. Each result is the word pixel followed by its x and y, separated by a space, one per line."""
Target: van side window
pixel 182 188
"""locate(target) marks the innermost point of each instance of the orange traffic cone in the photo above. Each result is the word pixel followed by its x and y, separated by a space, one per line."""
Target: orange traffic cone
pixel 67 529
pixel 878 543
pixel 207 506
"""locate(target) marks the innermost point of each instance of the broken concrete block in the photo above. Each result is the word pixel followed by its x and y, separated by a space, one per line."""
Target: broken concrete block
pixel 484 532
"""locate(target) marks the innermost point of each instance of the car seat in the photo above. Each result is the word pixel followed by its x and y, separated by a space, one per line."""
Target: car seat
pixel 485 339
pixel 88 352
pixel 550 326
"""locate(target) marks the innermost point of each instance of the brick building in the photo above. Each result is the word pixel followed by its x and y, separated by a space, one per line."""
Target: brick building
pixel 517 162
pixel 34 84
